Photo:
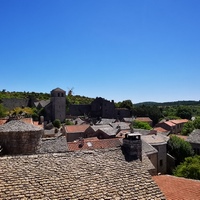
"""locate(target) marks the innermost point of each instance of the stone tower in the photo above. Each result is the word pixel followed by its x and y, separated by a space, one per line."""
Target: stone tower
pixel 58 104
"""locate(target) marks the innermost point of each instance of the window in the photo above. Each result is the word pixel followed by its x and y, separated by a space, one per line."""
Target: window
pixel 161 163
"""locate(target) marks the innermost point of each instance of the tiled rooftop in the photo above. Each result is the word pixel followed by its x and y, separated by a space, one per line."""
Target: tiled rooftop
pixel 194 137
pixel 102 174
pixel 155 139
pixel 143 119
pixel 94 144
pixel 76 128
pixel 176 188
pixel 179 121
pixel 160 129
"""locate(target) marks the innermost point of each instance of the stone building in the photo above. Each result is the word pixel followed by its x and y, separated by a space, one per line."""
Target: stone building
pixel 194 140
pixel 18 137
pixel 159 142
pixel 55 108
pixel 58 104
pixel 99 108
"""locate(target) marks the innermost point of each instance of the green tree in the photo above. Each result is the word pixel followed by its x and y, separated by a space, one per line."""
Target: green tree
pixel 188 127
pixel 57 123
pixel 3 111
pixel 68 122
pixel 190 168
pixel 184 112
pixel 179 149
pixel 140 125
pixel 196 123
pixel 126 104
pixel 153 112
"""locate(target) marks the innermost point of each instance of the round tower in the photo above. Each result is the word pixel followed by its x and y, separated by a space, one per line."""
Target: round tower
pixel 58 104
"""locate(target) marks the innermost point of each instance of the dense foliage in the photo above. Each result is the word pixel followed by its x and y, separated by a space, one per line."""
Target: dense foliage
pixel 57 123
pixel 22 95
pixel 179 149
pixel 140 125
pixel 3 111
pixel 190 168
pixel 190 126
pixel 153 112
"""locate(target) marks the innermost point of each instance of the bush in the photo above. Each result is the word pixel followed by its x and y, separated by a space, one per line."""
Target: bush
pixel 179 148
pixel 141 125
pixel 57 123
pixel 190 168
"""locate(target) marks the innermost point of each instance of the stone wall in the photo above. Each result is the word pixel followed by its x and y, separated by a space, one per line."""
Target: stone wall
pixel 14 102
pixel 19 143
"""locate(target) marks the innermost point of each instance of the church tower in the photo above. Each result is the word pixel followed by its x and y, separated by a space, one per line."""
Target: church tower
pixel 58 104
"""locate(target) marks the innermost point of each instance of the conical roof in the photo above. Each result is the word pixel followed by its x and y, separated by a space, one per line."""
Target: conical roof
pixel 18 126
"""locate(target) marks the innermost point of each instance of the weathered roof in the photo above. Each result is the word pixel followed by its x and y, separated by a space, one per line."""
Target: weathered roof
pixel 169 123
pixel 102 174
pixel 3 121
pixel 94 144
pixel 155 139
pixel 147 148
pixel 105 121
pixel 18 126
pixel 44 103
pixel 58 89
pixel 76 128
pixel 194 137
pixel 160 129
pixel 143 119
pixel 121 125
pixel 97 127
pixel 179 121
pixel 178 188
pixel 128 119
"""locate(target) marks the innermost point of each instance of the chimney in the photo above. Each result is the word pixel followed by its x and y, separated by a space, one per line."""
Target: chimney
pixel 132 146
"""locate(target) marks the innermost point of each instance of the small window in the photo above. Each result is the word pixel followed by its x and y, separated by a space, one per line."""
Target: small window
pixel 161 163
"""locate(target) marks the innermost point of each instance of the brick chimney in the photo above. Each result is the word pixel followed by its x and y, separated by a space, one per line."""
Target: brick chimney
pixel 132 146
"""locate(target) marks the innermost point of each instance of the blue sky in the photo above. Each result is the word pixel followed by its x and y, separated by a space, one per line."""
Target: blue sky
pixel 142 50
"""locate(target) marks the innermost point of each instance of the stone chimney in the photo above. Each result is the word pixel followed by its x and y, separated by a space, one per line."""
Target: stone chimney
pixel 132 146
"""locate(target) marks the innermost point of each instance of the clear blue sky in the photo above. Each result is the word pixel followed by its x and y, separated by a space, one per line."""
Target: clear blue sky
pixel 142 50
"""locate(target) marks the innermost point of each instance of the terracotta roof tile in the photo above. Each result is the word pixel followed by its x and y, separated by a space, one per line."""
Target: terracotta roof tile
pixel 143 119
pixel 76 128
pixel 94 144
pixel 3 121
pixel 160 129
pixel 175 188
pixel 179 121
pixel 169 123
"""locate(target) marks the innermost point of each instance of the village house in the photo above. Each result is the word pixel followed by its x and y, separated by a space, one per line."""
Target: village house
pixel 108 173
pixel 173 126
pixel 74 132
pixel 194 140
pixel 159 142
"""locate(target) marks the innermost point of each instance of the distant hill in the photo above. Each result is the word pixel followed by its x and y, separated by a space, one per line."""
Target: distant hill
pixel 173 103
